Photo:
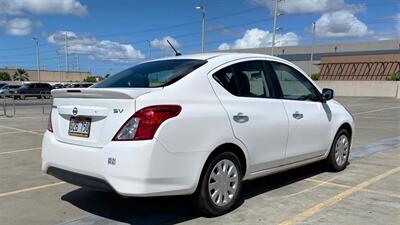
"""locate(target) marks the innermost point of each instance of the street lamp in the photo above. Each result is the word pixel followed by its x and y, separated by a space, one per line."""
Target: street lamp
pixel 312 47
pixel 202 9
pixel 36 40
pixel 149 44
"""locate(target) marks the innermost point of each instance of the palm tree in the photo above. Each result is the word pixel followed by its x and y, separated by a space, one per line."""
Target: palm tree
pixel 21 75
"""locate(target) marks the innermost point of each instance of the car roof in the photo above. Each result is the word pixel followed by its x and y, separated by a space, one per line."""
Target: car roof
pixel 216 56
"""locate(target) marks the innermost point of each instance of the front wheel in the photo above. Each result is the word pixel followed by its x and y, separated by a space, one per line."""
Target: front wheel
pixel 340 150
pixel 220 186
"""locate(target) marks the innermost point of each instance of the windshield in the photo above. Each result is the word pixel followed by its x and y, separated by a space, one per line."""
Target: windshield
pixel 152 74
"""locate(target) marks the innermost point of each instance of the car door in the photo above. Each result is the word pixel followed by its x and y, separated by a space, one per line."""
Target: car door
pixel 309 118
pixel 258 119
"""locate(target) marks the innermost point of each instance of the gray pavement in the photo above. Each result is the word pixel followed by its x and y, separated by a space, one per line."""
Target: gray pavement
pixel 367 192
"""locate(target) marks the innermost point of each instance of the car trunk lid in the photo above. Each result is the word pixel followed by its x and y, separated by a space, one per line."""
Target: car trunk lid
pixel 106 109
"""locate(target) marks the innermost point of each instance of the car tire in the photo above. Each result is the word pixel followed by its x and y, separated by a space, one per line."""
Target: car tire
pixel 338 157
pixel 222 169
pixel 22 97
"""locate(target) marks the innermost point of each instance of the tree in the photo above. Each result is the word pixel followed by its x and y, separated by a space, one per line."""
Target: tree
pixel 5 76
pixel 21 75
pixel 90 79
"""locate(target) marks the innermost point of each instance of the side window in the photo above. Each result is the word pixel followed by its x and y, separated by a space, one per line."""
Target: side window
pixel 293 84
pixel 245 79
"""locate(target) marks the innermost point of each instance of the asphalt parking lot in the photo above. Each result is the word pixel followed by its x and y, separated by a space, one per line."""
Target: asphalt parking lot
pixel 367 192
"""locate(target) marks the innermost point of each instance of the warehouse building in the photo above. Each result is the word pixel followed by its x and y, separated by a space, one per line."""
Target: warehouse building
pixel 50 75
pixel 374 60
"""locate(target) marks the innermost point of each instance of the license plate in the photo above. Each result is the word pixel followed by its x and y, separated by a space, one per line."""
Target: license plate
pixel 79 126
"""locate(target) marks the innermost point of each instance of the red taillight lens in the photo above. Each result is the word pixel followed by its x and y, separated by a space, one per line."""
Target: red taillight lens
pixel 49 124
pixel 145 122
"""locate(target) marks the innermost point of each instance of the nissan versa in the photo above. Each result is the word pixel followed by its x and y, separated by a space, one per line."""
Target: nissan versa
pixel 196 124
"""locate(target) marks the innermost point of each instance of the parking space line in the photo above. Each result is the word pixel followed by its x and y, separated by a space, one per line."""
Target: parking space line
pixel 30 189
pixel 324 183
pixel 337 198
pixel 16 132
pixel 375 110
pixel 26 117
pixel 20 150
pixel 21 130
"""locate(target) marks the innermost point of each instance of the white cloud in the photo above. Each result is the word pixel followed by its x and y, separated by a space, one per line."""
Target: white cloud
pixel 256 38
pixel 309 6
pixel 17 7
pixel 163 45
pixel 96 49
pixel 17 26
pixel 340 24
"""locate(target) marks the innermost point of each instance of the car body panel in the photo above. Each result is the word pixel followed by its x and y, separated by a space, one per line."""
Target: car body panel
pixel 172 162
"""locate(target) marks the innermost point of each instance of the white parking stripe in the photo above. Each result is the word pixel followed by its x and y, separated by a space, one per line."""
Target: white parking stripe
pixel 19 150
pixel 16 132
pixel 375 110
pixel 21 130
pixel 30 189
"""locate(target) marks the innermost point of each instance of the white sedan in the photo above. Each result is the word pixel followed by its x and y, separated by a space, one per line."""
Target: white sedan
pixel 197 124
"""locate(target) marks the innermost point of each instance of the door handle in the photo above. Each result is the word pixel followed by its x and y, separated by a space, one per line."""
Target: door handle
pixel 297 115
pixel 240 118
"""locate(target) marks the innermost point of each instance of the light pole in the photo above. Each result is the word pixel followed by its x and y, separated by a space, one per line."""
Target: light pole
pixel 37 56
pixel 202 9
pixel 312 46
pixel 149 44
pixel 274 29
pixel 66 51
pixel 59 64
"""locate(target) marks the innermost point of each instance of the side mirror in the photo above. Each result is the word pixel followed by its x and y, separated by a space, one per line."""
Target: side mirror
pixel 327 94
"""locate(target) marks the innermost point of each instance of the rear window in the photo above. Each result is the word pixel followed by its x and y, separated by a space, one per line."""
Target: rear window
pixel 152 74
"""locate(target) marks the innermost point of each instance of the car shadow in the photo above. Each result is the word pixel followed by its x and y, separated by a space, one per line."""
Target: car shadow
pixel 173 209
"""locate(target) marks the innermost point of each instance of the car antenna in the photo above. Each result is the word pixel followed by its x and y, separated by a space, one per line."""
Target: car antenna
pixel 176 52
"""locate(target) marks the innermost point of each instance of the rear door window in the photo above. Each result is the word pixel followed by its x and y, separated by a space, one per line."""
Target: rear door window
pixel 246 79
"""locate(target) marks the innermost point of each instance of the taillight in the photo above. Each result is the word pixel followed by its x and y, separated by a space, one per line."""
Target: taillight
pixel 49 124
pixel 145 122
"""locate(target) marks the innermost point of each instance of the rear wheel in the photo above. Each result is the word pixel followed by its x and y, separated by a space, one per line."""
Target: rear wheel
pixel 340 151
pixel 22 97
pixel 220 186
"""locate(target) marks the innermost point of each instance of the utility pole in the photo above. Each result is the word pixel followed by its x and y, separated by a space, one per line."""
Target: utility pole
pixel 37 57
pixel 203 24
pixel 66 52
pixel 59 64
pixel 274 26
pixel 77 63
pixel 312 46
pixel 149 44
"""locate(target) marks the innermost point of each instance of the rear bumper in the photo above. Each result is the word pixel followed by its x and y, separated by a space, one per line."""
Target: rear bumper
pixel 80 179
pixel 137 168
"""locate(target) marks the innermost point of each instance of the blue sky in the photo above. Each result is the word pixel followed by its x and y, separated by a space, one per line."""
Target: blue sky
pixel 109 36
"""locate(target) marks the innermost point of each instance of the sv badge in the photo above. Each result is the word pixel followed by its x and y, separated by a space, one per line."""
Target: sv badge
pixel 118 110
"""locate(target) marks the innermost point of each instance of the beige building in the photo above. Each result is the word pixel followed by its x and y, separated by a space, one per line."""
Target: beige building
pixel 301 54
pixel 51 76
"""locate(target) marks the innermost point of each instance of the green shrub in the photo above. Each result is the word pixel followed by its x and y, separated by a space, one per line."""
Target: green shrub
pixel 90 79
pixel 394 76
pixel 5 76
pixel 315 76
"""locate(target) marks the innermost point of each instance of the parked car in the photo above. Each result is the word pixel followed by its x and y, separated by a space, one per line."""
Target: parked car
pixel 196 124
pixel 34 90
pixel 9 89
pixel 58 86
pixel 79 85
